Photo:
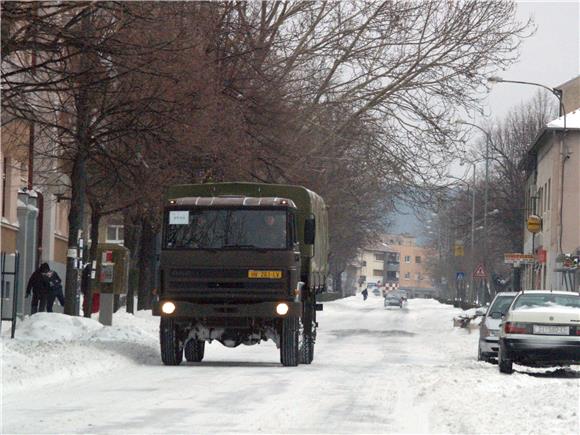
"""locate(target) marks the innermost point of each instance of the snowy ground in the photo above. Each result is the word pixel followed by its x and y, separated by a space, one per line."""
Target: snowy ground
pixel 375 371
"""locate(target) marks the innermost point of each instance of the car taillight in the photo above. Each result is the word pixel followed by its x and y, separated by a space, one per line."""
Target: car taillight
pixel 577 330
pixel 515 328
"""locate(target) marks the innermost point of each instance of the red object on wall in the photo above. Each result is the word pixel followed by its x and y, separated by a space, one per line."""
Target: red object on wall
pixel 541 255
pixel 96 302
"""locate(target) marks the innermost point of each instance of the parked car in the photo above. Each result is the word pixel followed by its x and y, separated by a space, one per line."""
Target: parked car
pixel 490 325
pixel 540 329
pixel 393 300
pixel 376 291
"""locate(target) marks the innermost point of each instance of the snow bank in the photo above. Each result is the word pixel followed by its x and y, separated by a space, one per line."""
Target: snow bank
pixel 51 348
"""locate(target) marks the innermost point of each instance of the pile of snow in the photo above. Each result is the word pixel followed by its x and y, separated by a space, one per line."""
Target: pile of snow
pixel 53 347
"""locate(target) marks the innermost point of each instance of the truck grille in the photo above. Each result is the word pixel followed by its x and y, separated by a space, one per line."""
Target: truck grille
pixel 224 284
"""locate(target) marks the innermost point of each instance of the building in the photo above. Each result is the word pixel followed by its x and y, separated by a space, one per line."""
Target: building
pixel 397 261
pixel 34 221
pixel 552 166
pixel 554 197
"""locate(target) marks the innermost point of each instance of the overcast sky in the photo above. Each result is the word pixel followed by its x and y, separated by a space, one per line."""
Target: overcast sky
pixel 550 57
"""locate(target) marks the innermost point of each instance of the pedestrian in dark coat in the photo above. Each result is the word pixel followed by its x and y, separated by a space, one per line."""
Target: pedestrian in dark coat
pixel 39 285
pixel 365 294
pixel 55 291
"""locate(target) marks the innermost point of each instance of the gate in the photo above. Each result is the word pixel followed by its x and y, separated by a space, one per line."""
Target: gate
pixel 9 285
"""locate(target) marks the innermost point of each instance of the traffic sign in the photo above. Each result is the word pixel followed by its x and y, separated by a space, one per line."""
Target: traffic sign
pixel 479 271
pixel 459 276
pixel 514 257
pixel 459 251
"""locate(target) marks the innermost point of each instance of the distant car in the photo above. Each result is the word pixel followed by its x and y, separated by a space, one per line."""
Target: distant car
pixel 541 329
pixel 490 324
pixel 393 300
pixel 376 291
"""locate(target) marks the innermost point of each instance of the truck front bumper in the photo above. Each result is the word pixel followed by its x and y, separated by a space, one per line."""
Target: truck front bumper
pixel 263 310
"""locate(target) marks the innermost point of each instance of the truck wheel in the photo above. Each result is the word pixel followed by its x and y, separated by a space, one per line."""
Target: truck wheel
pixel 171 346
pixel 307 349
pixel 289 342
pixel 194 350
pixel 308 335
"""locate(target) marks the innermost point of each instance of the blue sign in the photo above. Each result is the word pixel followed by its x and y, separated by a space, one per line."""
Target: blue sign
pixel 460 276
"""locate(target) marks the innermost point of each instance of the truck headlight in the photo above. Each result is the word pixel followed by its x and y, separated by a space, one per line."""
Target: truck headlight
pixel 168 307
pixel 282 308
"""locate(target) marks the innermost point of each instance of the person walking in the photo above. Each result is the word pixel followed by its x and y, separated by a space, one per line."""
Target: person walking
pixel 365 294
pixel 55 291
pixel 39 285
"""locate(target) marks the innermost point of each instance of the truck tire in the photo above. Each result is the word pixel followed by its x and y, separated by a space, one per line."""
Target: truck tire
pixel 289 342
pixel 307 349
pixel 194 350
pixel 171 346
pixel 307 339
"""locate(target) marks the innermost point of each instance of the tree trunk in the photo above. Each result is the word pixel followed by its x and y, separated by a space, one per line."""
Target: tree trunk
pixel 146 272
pixel 131 241
pixel 75 222
pixel 78 180
pixel 88 291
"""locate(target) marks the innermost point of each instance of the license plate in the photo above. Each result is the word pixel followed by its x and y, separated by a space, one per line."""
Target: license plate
pixel 551 330
pixel 267 274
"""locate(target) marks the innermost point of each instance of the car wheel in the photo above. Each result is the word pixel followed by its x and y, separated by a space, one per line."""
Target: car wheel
pixel 505 365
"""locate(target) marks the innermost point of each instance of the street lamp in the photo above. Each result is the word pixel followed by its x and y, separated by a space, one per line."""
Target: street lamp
pixel 564 152
pixel 486 191
pixel 555 91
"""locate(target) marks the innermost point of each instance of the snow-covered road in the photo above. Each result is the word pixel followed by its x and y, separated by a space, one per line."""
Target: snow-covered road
pixel 375 371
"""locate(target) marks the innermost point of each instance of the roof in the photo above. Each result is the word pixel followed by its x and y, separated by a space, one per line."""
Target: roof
pixel 232 201
pixel 557 292
pixel 572 123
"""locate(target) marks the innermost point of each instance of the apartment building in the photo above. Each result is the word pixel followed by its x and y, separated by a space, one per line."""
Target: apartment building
pixel 396 260
pixel 34 220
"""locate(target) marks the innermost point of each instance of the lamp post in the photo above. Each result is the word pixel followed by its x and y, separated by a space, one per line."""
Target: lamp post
pixel 486 185
pixel 564 152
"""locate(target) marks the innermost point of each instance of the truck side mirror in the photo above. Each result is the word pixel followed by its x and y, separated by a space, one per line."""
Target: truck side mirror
pixel 309 230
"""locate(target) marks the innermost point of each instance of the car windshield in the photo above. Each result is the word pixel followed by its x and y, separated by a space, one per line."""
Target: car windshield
pixel 501 304
pixel 226 229
pixel 546 300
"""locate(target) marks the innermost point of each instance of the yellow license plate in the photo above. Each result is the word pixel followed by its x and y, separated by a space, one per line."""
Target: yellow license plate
pixel 268 274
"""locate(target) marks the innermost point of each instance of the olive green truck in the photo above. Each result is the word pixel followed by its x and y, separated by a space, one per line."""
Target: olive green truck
pixel 241 263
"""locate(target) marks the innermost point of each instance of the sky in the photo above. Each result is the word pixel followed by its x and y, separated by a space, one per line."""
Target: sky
pixel 550 57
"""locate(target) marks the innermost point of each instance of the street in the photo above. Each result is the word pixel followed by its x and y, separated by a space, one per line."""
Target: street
pixel 374 371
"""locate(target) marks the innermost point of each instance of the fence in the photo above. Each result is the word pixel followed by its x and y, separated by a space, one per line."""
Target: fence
pixel 9 264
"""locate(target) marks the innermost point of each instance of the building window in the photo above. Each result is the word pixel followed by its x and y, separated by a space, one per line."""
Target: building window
pixel 418 276
pixel 407 275
pixel 377 272
pixel 115 234
pixel 418 259
pixel 364 264
pixel 549 191
pixel 407 258
pixel 4 179
pixel 380 256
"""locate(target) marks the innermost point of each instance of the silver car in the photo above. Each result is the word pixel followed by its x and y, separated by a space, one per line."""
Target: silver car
pixel 490 325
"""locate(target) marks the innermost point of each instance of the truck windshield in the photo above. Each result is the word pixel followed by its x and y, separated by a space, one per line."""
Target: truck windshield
pixel 226 229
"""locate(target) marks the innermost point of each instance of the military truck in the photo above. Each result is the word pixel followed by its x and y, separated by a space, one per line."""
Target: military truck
pixel 241 263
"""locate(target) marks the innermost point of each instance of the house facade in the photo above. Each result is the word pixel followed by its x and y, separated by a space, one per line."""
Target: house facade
pixel 552 165
pixel 396 260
